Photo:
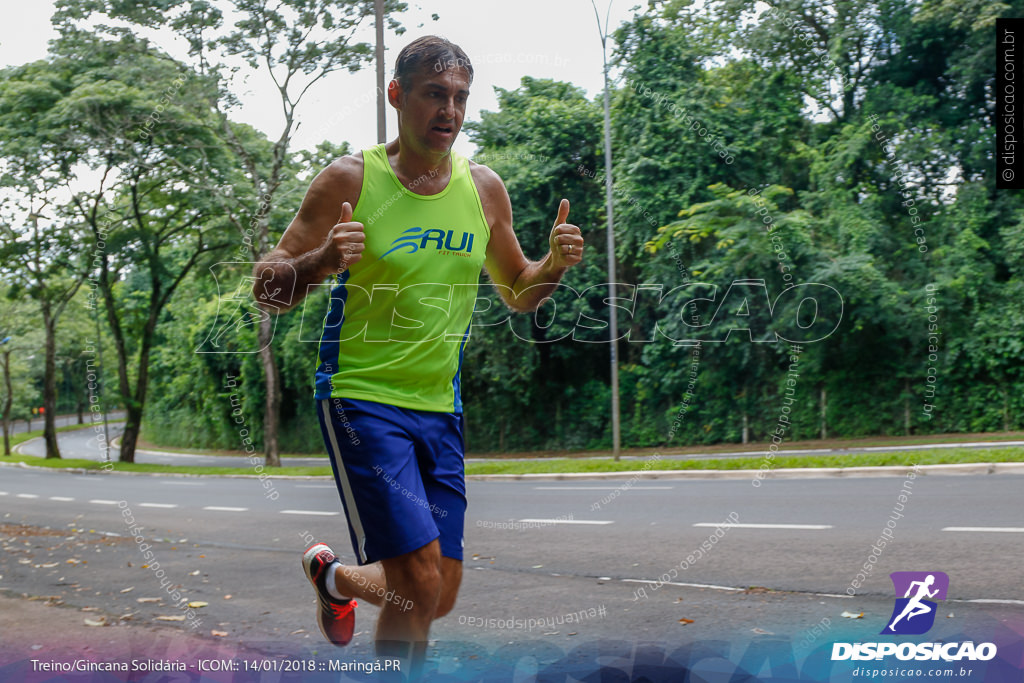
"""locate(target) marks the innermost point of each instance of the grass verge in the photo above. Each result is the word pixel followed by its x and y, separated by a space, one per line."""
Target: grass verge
pixel 566 465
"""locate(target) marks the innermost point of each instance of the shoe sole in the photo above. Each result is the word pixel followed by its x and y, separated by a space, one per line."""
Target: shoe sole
pixel 307 561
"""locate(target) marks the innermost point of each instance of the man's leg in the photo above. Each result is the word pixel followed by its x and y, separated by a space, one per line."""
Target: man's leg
pixel 365 583
pixel 370 584
pixel 451 579
pixel 416 577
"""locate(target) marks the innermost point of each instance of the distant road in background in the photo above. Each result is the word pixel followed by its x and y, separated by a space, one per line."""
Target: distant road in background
pixel 20 426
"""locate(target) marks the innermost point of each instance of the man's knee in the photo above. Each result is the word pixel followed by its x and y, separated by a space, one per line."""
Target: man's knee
pixel 415 576
pixel 451 578
pixel 446 604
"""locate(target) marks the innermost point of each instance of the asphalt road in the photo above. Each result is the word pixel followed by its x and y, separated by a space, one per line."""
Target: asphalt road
pixel 596 548
pixel 21 426
pixel 584 556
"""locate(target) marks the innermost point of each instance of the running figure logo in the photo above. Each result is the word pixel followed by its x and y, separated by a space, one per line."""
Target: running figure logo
pixel 914 613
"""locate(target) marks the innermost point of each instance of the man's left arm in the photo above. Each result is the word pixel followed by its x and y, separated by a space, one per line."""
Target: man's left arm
pixel 524 284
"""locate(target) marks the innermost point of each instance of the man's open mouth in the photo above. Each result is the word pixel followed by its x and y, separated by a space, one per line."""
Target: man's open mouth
pixel 443 129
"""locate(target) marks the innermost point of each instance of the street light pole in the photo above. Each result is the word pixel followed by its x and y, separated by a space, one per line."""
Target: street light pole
pixel 609 202
pixel 382 134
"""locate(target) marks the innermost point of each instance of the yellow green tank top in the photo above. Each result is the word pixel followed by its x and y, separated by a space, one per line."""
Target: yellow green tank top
pixel 399 319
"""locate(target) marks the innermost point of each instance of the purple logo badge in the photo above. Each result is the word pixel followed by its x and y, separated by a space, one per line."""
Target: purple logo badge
pixel 914 612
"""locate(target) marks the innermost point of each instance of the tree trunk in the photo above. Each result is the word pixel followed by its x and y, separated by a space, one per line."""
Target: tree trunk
pixel 137 402
pixel 130 438
pixel 1006 409
pixel 8 402
pixel 906 407
pixel 558 422
pixel 272 407
pixel 746 428
pixel 50 386
pixel 824 412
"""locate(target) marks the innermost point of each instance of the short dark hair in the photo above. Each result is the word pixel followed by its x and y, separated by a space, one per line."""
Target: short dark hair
pixel 429 52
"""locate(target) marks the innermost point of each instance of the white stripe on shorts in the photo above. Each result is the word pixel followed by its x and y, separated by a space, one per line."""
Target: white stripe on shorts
pixel 346 487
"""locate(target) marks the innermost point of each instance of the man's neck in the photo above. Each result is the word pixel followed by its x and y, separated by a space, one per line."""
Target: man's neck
pixel 413 167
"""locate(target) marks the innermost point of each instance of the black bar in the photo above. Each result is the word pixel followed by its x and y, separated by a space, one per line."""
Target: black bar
pixel 1009 110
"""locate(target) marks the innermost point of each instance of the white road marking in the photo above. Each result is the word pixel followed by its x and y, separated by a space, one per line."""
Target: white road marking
pixel 62 499
pixel 731 589
pixel 993 601
pixel 3 493
pixel 1005 529
pixel 27 495
pixel 309 512
pixel 99 501
pixel 563 521
pixel 157 505
pixel 601 488
pixel 217 508
pixel 764 526
pixel 688 585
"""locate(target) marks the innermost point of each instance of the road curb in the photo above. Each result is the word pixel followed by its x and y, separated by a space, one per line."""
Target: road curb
pixel 106 473
pixel 787 473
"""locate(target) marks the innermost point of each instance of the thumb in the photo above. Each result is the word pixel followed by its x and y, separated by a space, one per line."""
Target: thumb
pixel 346 213
pixel 563 212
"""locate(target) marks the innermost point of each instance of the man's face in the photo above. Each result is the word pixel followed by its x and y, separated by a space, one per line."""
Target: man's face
pixel 433 108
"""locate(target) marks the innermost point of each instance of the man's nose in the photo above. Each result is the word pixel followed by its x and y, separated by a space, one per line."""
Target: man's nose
pixel 448 110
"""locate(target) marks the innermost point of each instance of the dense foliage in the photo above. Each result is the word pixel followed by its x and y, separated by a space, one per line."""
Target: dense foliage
pixel 807 228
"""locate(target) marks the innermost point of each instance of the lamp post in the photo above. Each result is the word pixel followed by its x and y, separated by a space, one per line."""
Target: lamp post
pixel 613 321
pixel 378 7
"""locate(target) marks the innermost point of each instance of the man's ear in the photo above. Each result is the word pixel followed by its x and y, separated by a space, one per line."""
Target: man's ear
pixel 395 95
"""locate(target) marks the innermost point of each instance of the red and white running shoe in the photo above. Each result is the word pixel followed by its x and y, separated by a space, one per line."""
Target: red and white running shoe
pixel 336 618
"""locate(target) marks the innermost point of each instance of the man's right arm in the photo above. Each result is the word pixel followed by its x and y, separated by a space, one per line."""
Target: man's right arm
pixel 317 243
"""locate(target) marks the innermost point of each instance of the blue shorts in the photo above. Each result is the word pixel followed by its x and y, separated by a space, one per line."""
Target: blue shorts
pixel 400 473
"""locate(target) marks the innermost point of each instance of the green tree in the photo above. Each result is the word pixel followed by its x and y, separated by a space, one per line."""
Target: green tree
pixel 295 44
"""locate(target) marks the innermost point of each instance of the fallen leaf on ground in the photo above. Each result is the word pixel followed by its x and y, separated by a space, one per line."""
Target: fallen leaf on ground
pixel 227 597
pixel 148 600
pixel 851 615
pixel 195 573
pixel 219 634
pixel 197 604
pixel 685 621
pixel 102 621
pixel 762 632
pixel 172 618
pixel 129 589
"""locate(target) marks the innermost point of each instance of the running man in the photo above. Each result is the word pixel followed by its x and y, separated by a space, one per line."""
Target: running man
pixel 417 224
pixel 915 607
